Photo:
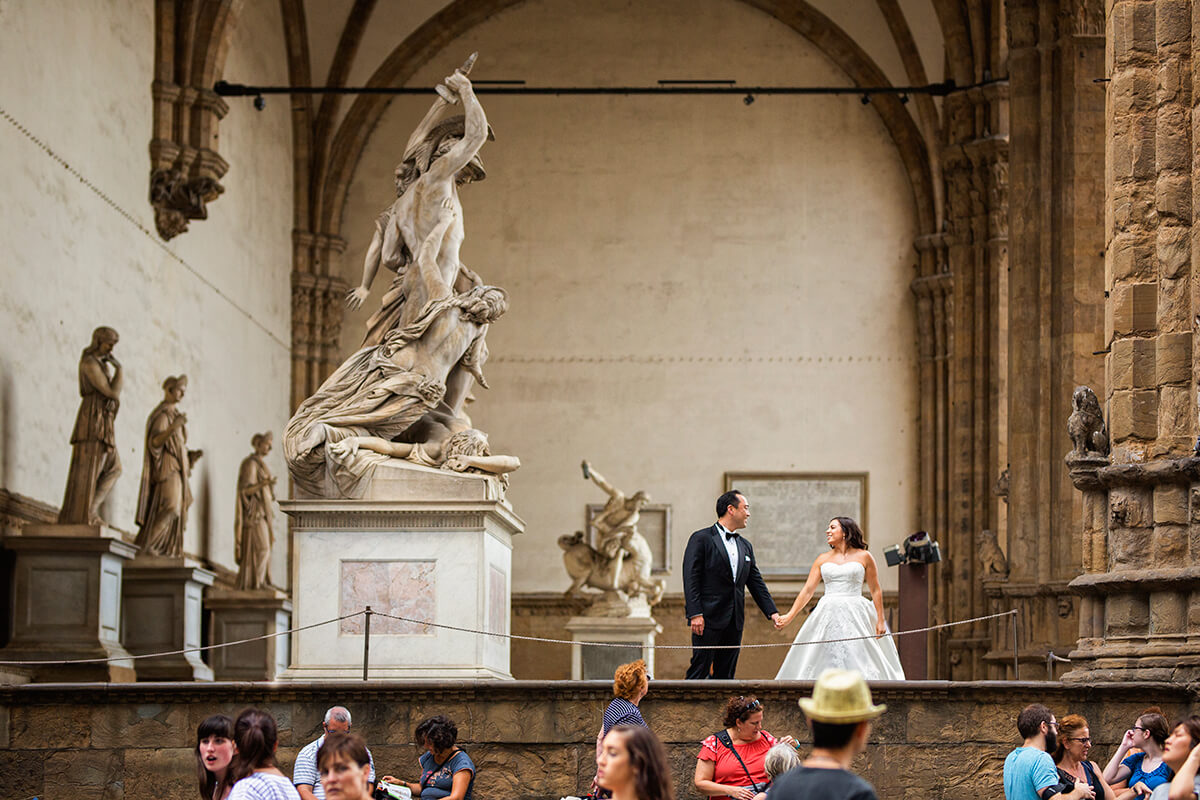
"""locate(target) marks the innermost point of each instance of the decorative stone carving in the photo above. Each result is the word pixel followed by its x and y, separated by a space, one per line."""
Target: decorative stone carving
pixel 1002 486
pixel 191 43
pixel 95 465
pixel 1086 424
pixel 588 567
pixel 164 497
pixel 991 557
pixel 254 532
pixel 402 395
pixel 178 199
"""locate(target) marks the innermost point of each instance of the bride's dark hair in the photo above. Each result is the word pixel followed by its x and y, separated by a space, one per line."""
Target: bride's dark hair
pixel 854 534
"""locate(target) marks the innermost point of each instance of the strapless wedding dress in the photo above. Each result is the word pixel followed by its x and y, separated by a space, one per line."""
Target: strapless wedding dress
pixel 843 612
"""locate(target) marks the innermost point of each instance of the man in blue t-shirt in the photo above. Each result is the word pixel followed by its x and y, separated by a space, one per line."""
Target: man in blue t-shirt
pixel 1029 771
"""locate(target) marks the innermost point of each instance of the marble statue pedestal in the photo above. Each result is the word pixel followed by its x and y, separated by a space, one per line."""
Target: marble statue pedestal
pixel 162 610
pixel 438 548
pixel 67 602
pixel 237 614
pixel 598 663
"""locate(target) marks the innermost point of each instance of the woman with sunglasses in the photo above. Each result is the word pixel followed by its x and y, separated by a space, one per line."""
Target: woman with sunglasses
pixel 1146 768
pixel 730 763
pixel 1071 758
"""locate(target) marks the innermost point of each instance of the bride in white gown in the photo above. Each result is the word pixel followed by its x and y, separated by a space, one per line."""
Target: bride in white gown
pixel 842 613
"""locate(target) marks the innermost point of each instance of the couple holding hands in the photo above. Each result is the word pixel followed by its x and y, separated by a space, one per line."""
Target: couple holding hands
pixel 719 565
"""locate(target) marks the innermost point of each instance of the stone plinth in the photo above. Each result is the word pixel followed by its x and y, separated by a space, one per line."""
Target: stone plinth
pixel 237 614
pixel 67 602
pixel 446 558
pixel 1140 547
pixel 163 611
pixel 598 663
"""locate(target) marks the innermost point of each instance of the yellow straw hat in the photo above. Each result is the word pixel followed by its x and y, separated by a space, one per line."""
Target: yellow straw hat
pixel 841 696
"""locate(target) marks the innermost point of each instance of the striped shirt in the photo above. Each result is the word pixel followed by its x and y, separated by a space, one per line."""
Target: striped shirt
pixel 621 712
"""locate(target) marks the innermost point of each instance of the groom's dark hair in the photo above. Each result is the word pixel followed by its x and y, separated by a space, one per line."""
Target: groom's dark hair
pixel 726 500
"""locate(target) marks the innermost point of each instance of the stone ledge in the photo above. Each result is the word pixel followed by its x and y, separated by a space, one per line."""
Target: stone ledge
pixel 599 690
pixel 1136 580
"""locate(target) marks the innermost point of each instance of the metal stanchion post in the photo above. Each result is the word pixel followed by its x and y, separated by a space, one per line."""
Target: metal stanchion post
pixel 1016 660
pixel 366 640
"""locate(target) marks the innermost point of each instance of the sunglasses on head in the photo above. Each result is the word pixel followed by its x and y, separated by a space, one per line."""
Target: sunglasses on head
pixel 750 705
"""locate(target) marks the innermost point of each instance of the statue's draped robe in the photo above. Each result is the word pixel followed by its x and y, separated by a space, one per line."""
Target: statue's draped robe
pixel 368 395
pixel 93 449
pixel 254 533
pixel 164 491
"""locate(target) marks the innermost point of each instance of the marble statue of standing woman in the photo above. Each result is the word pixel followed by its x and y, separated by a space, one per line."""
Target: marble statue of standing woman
pixel 165 496
pixel 95 465
pixel 253 531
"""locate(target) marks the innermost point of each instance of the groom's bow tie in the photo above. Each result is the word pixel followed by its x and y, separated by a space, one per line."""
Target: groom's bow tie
pixel 730 536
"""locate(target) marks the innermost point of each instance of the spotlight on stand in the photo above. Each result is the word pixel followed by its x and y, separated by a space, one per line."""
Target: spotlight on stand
pixel 917 549
pixel 913 556
pixel 920 549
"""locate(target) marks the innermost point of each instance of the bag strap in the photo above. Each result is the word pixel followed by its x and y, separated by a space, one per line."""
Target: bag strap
pixel 724 738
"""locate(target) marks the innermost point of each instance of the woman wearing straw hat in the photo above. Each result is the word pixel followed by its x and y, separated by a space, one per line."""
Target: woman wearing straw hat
pixel 840 713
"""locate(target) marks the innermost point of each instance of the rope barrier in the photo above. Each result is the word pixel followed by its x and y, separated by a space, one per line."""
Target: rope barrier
pixel 694 647
pixel 368 613
pixel 174 652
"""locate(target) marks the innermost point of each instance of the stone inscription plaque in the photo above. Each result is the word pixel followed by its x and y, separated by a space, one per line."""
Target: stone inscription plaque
pixel 401 588
pixel 790 511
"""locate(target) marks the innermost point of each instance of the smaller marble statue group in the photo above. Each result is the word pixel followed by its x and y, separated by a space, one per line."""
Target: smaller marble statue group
pixel 165 495
pixel 620 563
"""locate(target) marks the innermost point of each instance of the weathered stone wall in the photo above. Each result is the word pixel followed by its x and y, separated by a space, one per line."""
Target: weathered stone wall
pixel 1141 521
pixel 534 740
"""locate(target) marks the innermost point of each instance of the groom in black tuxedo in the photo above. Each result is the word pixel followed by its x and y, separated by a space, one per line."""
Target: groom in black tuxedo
pixel 718 567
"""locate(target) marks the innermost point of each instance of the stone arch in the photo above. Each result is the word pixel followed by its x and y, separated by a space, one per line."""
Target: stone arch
pixel 460 16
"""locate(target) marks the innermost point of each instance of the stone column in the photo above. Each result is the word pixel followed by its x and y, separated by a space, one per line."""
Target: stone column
pixel 1055 297
pixel 960 350
pixel 1140 587
pixel 318 307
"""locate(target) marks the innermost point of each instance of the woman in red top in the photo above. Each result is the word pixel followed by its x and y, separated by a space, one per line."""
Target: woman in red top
pixel 719 774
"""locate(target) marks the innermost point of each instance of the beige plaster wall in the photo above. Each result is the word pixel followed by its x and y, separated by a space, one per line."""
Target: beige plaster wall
pixel 213 303
pixel 393 21
pixel 698 286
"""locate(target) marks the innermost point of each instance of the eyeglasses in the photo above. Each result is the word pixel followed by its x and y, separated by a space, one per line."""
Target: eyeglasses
pixel 1080 739
pixel 1052 724
pixel 1140 728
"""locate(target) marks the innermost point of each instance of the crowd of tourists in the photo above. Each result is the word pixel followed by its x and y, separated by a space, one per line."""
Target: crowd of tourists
pixel 742 761
pixel 1154 760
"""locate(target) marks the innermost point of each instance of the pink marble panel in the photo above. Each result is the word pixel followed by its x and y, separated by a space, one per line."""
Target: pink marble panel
pixel 400 588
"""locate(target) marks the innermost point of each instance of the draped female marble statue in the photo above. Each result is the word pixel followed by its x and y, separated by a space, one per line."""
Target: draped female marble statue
pixel 95 465
pixel 383 389
pixel 254 533
pixel 165 496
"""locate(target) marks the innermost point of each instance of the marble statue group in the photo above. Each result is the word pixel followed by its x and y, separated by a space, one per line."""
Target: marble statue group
pixel 400 399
